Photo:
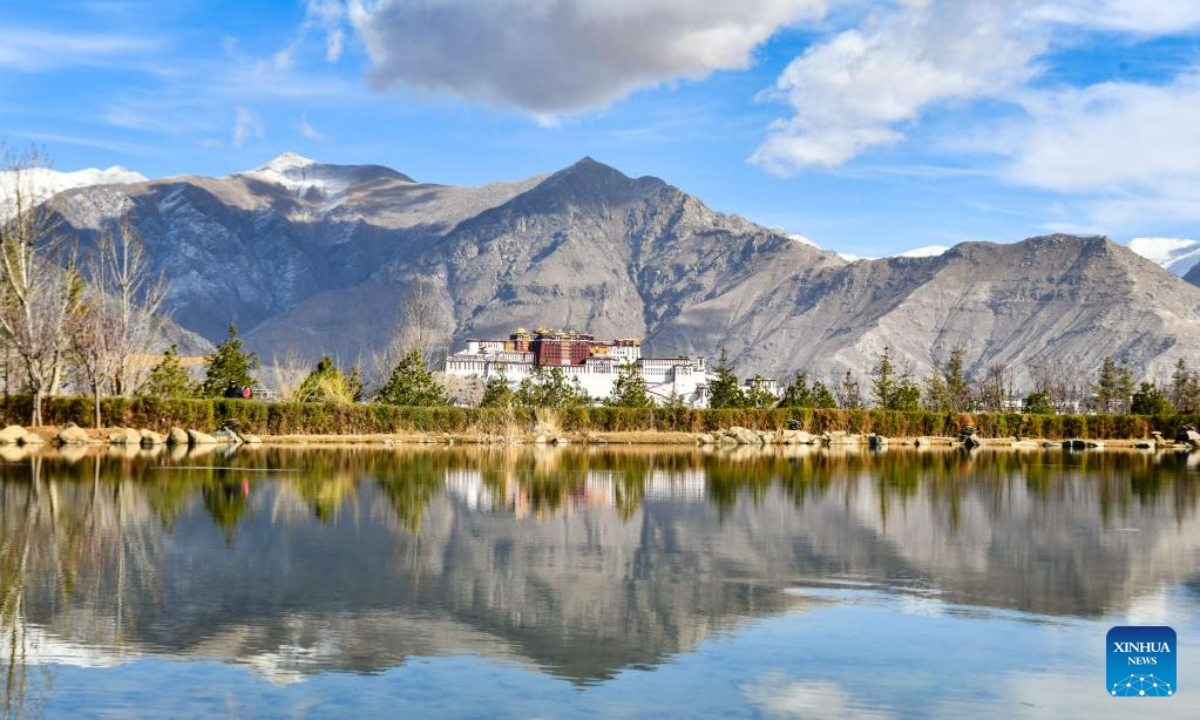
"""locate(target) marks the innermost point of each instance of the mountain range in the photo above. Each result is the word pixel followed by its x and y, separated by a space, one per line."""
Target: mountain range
pixel 319 258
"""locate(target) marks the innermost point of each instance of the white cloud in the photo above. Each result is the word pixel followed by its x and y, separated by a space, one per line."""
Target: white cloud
pixel 246 125
pixel 561 56
pixel 1129 151
pixel 1109 137
pixel 859 89
pixel 1149 17
pixel 306 129
pixel 328 16
pixel 777 695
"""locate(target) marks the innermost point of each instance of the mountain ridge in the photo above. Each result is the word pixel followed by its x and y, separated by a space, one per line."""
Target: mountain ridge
pixel 323 268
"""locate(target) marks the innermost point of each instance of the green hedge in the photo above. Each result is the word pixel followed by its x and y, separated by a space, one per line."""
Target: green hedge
pixel 267 418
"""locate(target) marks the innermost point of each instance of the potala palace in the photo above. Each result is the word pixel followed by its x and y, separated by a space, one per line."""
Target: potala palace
pixel 596 363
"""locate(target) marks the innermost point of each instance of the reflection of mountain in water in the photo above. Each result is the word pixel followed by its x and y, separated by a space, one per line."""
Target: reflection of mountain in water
pixel 581 561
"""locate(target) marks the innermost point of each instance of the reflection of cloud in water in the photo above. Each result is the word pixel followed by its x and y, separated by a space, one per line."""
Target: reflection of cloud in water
pixel 42 648
pixel 777 695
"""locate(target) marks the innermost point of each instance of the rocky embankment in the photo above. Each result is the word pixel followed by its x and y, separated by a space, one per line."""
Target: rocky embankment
pixel 72 434
pixel 735 436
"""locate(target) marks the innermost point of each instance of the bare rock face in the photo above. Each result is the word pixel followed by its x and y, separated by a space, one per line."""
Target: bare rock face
pixel 318 258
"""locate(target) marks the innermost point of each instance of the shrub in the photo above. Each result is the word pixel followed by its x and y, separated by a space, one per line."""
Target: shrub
pixel 288 418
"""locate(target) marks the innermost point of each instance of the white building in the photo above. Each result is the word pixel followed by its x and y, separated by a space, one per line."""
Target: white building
pixel 596 364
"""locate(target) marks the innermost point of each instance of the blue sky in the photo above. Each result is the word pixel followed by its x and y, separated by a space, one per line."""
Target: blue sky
pixel 871 127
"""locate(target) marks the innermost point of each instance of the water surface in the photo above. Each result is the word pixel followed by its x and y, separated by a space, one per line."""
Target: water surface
pixel 576 581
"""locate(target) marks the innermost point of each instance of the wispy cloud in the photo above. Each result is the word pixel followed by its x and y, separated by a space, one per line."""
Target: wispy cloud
pixel 82 141
pixel 35 50
pixel 246 125
pixel 305 128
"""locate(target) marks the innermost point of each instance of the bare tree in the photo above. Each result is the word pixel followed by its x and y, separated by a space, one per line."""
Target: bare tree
pixel 39 288
pixel 288 372
pixel 96 341
pixel 120 270
pixel 419 327
pixel 996 389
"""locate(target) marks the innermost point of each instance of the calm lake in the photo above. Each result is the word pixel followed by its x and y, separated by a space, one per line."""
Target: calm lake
pixel 590 581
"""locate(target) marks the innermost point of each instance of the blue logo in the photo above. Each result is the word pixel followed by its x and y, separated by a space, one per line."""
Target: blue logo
pixel 1141 662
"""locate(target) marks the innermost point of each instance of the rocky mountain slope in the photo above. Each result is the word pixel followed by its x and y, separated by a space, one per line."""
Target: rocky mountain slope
pixel 1193 275
pixel 319 258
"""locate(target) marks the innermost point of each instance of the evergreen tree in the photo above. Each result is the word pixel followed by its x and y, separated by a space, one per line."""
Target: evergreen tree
pixel 797 394
pixel 229 364
pixel 675 402
pixel 958 390
pixel 412 384
pixel 883 382
pixel 849 393
pixel 1113 388
pixel 630 389
pixel 327 384
pixel 893 390
pixel 947 389
pixel 757 395
pixel 169 379
pixel 822 397
pixel 1150 400
pixel 1038 403
pixel 1185 389
pixel 907 396
pixel 936 396
pixel 354 384
pixel 551 389
pixel 498 393
pixel 723 391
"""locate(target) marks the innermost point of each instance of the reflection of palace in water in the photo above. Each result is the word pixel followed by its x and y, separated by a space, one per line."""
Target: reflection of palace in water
pixel 597 489
pixel 578 561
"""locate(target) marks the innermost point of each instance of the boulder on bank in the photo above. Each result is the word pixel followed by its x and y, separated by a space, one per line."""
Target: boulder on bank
pixel 195 437
pixel 151 438
pixel 74 435
pixel 877 442
pixel 793 437
pixel 177 436
pixel 13 435
pixel 32 438
pixel 838 437
pixel 225 436
pixel 124 436
pixel 1188 434
pixel 256 440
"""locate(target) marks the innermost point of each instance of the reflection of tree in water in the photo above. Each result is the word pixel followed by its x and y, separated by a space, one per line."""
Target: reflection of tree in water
pixel 409 485
pixel 226 498
pixel 69 535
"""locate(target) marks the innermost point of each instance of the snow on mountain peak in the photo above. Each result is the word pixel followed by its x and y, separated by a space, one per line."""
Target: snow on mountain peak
pixel 43 183
pixel 925 252
pixel 301 175
pixel 1177 255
